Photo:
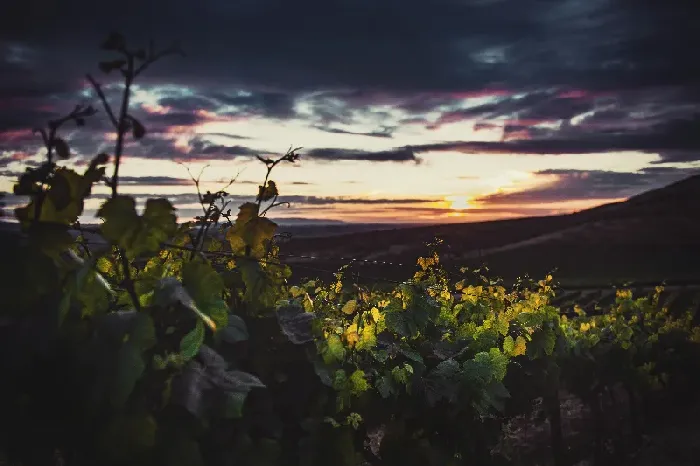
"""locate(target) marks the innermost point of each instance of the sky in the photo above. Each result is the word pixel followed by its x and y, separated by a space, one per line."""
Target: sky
pixel 407 111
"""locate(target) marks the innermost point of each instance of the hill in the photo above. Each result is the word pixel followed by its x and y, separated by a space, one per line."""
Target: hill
pixel 651 236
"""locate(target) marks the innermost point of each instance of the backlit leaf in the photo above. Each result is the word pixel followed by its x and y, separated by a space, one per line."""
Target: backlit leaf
pixel 192 341
pixel 350 307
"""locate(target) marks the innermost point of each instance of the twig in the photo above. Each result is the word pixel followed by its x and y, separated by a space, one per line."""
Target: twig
pixel 103 99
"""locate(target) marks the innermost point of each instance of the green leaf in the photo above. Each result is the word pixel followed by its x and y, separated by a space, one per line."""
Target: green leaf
pixel 400 322
pixel 259 289
pixel 202 282
pixel 236 331
pixel 169 291
pixel 192 341
pixel 334 350
pixel 402 373
pixel 129 369
pixel 358 382
pixel 64 305
pixel 233 408
pixel 442 382
pixel 499 361
pixel 385 386
pixel 120 219
pixel 137 234
pixel 143 333
pixel 508 345
pixel 218 310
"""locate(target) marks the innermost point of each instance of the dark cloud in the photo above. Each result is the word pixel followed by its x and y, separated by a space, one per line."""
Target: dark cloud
pixel 590 185
pixel 218 151
pixel 159 123
pixel 269 104
pixel 189 103
pixel 384 133
pixel 155 181
pixel 397 155
pixel 672 140
pixel 200 149
pixel 402 46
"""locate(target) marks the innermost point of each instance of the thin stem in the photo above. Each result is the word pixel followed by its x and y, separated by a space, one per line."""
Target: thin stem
pixel 121 130
pixel 103 99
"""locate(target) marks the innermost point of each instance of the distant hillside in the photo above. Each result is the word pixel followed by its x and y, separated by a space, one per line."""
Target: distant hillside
pixel 655 235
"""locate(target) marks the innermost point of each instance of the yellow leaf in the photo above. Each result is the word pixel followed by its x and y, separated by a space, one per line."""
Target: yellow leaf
pixel 520 346
pixel 350 307
pixel 351 335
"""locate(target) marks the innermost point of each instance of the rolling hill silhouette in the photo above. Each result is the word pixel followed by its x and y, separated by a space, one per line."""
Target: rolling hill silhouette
pixel 651 236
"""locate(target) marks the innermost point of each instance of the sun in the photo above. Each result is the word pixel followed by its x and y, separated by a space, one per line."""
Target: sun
pixel 459 202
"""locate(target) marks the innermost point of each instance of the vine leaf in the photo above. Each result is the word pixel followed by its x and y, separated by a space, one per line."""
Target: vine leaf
pixel 236 330
pixel 137 129
pixel 442 382
pixel 192 341
pixel 250 231
pixel 121 221
pixel 350 307
pixel 258 292
pixel 267 192
pixel 233 408
pixel 296 323
pixel 208 373
pixel 61 147
pixel 169 291
pixel 206 287
pixel 129 369
pixel 202 282
pixel 137 234
pixel 130 365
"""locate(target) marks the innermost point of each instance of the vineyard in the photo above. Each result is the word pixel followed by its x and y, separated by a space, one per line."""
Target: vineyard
pixel 166 344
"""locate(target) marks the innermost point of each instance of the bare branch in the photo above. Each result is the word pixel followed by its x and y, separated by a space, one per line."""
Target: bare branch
pixel 155 56
pixel 103 99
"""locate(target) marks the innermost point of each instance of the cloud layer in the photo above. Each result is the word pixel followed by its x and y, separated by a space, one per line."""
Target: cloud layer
pixel 409 86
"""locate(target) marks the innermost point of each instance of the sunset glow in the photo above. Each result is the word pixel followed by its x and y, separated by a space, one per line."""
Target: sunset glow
pixel 459 202
pixel 457 129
